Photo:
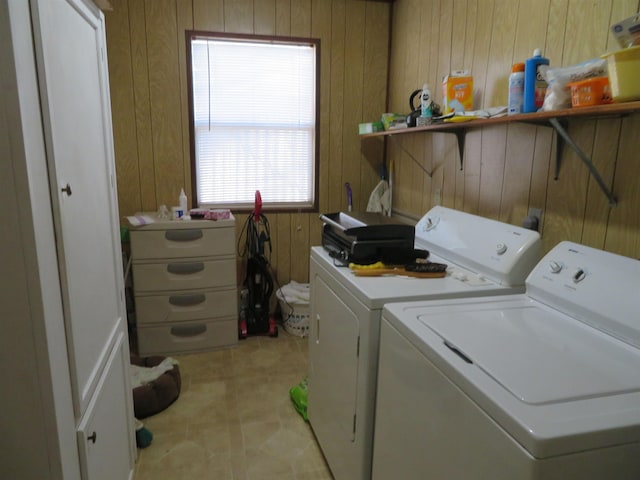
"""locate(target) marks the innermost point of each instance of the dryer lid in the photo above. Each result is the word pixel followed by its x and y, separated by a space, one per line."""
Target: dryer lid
pixel 539 356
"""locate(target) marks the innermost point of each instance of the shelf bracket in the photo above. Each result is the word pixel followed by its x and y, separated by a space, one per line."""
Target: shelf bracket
pixel 399 143
pixel 562 137
pixel 460 135
pixel 559 144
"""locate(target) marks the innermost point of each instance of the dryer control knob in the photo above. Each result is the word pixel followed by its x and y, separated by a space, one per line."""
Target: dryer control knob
pixel 501 248
pixel 555 267
pixel 431 223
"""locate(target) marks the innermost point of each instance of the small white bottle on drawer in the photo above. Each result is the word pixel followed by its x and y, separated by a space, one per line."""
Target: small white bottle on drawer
pixel 183 202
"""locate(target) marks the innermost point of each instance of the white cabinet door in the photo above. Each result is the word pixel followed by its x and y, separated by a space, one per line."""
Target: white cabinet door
pixel 74 93
pixel 103 432
pixel 333 379
pixel 333 358
pixel 72 70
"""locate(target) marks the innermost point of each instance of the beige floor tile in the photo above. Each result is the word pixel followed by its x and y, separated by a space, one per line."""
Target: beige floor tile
pixel 234 419
pixel 317 475
pixel 186 460
pixel 262 465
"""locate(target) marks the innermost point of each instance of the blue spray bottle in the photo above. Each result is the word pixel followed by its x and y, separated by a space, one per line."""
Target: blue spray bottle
pixel 535 86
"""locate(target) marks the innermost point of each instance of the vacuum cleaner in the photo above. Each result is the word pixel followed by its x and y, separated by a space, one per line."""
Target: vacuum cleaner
pixel 257 288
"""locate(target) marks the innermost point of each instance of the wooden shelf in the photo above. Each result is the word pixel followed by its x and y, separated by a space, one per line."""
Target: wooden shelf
pixel 557 120
pixel 541 118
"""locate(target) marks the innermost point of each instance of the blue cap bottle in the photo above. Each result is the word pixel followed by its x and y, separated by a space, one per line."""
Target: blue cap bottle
pixel 535 85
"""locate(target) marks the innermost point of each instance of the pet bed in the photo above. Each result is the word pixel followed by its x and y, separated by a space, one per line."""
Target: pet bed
pixel 156 395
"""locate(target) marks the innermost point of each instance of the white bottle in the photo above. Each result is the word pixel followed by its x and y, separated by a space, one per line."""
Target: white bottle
pixel 183 202
pixel 516 89
pixel 426 102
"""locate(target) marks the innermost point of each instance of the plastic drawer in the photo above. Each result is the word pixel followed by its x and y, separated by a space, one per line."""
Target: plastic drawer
pixel 182 243
pixel 185 305
pixel 185 337
pixel 183 275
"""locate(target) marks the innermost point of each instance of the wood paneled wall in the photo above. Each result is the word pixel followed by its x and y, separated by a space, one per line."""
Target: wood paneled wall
pixel 148 79
pixel 509 169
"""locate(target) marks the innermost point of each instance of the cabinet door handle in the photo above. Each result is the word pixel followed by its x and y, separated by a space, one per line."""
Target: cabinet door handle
pixel 92 437
pixel 188 330
pixel 187 300
pixel 183 235
pixel 185 268
pixel 66 190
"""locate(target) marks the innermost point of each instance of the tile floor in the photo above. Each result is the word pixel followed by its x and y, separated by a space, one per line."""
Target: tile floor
pixel 234 419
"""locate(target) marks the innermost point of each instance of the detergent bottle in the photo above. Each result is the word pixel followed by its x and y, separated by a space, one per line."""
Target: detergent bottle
pixel 535 86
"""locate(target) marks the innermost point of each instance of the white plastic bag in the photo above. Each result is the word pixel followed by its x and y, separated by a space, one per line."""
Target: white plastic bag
pixel 295 293
pixel 558 94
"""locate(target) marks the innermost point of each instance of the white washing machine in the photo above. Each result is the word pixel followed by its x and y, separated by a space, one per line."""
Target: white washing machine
pixel 541 385
pixel 485 257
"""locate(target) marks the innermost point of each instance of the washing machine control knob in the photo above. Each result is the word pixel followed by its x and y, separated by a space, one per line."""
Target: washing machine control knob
pixel 555 267
pixel 579 275
pixel 501 248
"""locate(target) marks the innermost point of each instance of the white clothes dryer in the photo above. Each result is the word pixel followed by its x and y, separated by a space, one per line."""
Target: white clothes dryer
pixel 543 385
pixel 484 257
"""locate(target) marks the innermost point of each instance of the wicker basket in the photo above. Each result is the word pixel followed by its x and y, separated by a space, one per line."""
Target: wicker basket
pixel 295 316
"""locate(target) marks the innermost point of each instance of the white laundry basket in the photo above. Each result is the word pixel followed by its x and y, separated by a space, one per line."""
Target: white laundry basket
pixel 294 304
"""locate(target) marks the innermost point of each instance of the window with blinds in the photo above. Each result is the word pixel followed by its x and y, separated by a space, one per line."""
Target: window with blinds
pixel 254 120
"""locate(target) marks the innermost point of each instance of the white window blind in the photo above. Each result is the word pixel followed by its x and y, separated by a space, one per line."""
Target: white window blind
pixel 254 122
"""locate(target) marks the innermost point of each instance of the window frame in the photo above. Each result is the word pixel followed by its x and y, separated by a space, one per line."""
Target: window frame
pixel 253 38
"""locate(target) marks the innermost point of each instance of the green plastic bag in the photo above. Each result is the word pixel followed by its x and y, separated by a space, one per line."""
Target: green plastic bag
pixel 298 396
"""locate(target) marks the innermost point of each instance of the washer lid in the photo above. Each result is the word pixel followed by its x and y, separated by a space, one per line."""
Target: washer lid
pixel 539 356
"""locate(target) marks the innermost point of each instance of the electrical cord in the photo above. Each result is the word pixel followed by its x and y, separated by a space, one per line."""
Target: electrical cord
pixel 259 292
pixel 258 281
pixel 255 238
pixel 253 245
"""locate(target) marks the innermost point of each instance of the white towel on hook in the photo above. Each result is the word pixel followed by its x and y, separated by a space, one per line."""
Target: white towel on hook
pixel 380 198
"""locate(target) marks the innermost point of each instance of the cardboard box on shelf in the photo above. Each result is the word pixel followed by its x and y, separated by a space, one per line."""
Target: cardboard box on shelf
pixel 457 92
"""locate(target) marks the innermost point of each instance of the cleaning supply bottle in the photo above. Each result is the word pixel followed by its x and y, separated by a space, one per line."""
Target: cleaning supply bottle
pixel 183 202
pixel 516 89
pixel 426 102
pixel 534 83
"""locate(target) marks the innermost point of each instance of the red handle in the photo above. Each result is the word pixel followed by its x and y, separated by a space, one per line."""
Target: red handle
pixel 257 210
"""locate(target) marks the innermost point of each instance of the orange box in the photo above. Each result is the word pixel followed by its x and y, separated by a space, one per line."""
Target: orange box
pixel 457 92
pixel 593 91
